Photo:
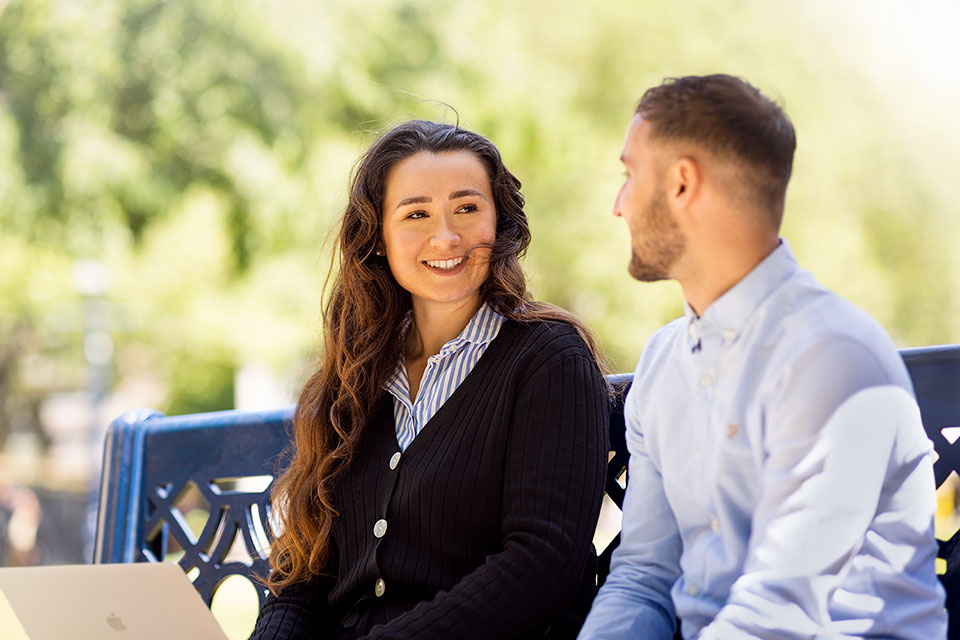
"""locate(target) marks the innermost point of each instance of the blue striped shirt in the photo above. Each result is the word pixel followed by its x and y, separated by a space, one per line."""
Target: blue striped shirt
pixel 443 374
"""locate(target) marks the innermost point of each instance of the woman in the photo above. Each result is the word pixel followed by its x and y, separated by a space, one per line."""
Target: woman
pixel 451 446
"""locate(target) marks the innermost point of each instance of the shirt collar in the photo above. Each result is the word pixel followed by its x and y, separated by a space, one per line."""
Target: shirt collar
pixel 482 328
pixel 730 312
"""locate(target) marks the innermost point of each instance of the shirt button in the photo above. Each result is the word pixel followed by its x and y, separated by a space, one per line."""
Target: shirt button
pixel 394 460
pixel 692 330
pixel 729 334
pixel 697 454
pixel 692 589
pixel 380 528
pixel 715 524
pixel 379 587
pixel 706 380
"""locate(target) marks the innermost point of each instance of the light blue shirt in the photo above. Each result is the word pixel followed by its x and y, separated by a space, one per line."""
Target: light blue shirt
pixel 755 507
pixel 443 374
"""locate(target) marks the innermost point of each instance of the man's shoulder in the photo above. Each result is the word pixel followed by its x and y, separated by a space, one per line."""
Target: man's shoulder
pixel 810 317
pixel 802 297
pixel 813 310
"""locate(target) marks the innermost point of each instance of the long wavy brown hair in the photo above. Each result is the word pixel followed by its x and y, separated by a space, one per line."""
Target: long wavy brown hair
pixel 362 341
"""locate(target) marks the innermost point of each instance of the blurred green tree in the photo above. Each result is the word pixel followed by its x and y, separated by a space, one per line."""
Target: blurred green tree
pixel 155 101
pixel 201 151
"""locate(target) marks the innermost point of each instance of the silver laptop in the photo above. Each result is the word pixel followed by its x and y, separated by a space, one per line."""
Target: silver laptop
pixel 138 601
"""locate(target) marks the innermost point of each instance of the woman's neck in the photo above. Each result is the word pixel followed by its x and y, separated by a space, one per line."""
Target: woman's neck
pixel 435 325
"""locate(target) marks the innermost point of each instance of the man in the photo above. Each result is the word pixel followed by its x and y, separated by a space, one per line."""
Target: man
pixel 780 482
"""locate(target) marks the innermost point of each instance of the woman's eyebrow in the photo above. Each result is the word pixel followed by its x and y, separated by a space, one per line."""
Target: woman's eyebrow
pixel 453 196
pixel 466 192
pixel 413 200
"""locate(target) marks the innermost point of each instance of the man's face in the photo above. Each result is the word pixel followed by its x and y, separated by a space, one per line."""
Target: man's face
pixel 656 240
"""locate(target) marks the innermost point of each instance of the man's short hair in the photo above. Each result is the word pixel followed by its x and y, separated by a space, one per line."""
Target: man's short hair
pixel 730 118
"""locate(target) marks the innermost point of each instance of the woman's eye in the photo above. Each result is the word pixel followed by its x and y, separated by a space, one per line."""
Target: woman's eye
pixel 467 208
pixel 416 215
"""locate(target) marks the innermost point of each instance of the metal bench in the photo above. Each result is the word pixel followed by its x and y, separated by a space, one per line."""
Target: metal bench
pixel 154 466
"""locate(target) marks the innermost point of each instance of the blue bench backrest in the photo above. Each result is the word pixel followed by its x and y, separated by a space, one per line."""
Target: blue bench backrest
pixel 150 461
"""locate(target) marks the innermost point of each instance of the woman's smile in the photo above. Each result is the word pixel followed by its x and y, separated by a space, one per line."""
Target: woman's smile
pixel 445 265
pixel 449 266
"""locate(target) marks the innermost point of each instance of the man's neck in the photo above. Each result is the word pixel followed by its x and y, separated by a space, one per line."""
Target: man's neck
pixel 721 271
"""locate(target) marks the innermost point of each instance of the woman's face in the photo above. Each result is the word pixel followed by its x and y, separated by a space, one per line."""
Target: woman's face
pixel 437 207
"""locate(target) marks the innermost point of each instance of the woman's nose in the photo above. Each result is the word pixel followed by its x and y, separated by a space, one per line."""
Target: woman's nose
pixel 444 235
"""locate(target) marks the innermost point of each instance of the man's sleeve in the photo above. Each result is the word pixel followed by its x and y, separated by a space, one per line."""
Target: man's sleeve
pixel 822 478
pixel 635 600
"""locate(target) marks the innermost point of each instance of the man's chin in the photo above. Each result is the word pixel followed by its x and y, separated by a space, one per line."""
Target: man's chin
pixel 643 272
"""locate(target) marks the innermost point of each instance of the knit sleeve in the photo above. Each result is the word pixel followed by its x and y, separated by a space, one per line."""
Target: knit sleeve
pixel 300 611
pixel 553 485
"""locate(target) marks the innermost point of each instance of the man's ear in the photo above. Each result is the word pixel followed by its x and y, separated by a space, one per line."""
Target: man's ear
pixel 684 181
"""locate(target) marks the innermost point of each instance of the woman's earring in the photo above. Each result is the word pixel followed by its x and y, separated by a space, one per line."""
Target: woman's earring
pixel 378 253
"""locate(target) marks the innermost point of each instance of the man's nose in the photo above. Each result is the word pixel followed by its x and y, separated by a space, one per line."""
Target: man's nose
pixel 616 205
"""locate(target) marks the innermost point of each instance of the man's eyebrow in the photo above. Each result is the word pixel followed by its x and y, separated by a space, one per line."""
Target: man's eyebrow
pixel 466 192
pixel 413 200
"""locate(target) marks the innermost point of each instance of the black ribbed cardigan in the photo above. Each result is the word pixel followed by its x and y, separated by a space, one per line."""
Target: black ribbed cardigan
pixel 490 511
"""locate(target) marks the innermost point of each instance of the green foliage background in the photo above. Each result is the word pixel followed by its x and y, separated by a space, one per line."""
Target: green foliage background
pixel 202 150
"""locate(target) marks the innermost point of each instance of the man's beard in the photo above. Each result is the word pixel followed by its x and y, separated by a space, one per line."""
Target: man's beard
pixel 662 243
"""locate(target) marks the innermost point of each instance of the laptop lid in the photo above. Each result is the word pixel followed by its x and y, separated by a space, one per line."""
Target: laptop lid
pixel 137 601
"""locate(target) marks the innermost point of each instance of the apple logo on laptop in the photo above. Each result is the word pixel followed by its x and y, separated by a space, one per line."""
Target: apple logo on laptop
pixel 116 623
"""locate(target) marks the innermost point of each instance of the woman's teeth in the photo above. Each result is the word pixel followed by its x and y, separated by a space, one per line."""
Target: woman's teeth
pixel 444 264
